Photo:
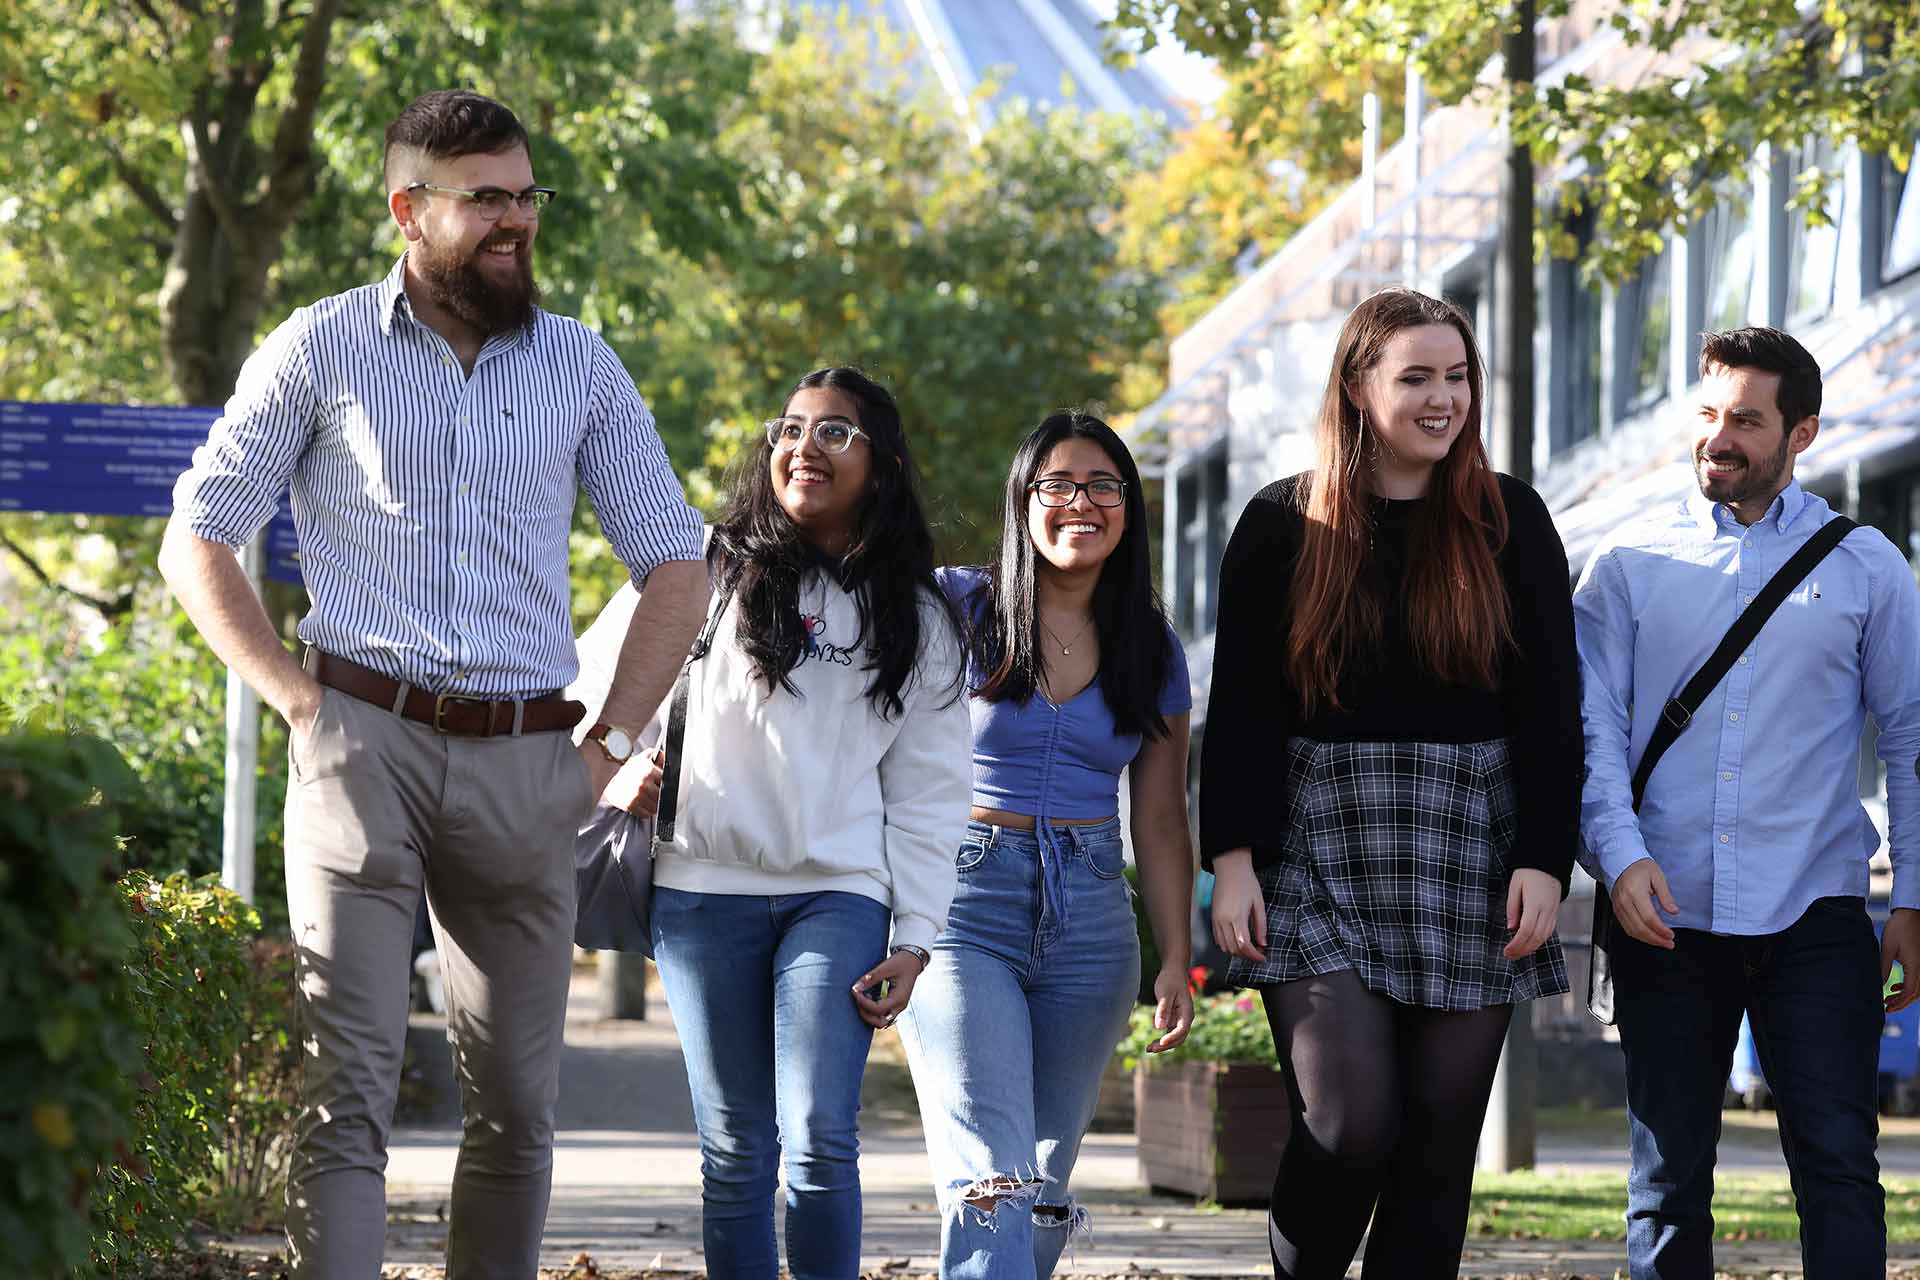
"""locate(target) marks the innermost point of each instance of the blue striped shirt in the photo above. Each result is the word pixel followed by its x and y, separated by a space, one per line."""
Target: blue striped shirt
pixel 1755 810
pixel 433 506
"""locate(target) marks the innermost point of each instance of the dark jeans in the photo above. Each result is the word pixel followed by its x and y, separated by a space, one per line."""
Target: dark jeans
pixel 1812 993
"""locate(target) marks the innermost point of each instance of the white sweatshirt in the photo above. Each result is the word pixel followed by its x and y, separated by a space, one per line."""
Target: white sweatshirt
pixel 815 791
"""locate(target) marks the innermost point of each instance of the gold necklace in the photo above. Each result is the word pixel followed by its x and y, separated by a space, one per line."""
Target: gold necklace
pixel 1066 646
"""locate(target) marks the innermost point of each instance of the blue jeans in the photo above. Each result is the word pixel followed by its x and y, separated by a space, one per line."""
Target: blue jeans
pixel 761 992
pixel 1008 1033
pixel 1812 993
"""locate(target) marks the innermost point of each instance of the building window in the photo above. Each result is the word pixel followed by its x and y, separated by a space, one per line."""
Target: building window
pixel 1813 252
pixel 1899 218
pixel 1200 495
pixel 1727 241
pixel 1574 308
pixel 1643 329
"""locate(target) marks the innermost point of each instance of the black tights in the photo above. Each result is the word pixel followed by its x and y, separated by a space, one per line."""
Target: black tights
pixel 1387 1103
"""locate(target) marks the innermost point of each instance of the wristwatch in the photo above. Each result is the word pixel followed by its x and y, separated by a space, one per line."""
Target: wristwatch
pixel 920 952
pixel 616 743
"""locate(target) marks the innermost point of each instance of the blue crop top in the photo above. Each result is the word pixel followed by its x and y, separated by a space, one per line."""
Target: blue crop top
pixel 1050 761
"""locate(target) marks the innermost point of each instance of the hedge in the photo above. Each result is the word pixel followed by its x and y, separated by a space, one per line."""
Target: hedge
pixel 146 1060
pixel 70 1054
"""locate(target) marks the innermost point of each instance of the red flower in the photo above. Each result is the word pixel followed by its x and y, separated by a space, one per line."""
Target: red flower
pixel 1197 978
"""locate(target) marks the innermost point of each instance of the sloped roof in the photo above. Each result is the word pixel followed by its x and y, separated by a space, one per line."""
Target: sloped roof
pixel 1048 52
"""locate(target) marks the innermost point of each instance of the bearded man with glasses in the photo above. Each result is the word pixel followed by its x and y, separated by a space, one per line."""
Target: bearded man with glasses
pixel 434 429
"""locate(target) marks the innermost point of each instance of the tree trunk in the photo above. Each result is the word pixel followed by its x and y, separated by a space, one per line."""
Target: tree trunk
pixel 241 198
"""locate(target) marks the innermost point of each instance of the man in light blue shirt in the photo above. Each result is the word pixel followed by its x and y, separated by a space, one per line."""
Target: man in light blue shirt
pixel 1740 884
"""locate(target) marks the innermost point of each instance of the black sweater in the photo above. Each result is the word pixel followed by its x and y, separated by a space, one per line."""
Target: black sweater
pixel 1386 697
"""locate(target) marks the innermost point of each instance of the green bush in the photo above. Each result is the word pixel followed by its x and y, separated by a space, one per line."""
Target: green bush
pixel 249 1185
pixel 202 1006
pixel 1228 1027
pixel 148 684
pixel 147 1066
pixel 69 1055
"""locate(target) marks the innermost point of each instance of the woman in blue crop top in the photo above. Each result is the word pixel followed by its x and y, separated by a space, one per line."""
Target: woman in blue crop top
pixel 1074 676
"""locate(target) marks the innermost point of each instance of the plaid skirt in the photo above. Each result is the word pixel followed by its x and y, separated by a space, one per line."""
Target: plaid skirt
pixel 1394 865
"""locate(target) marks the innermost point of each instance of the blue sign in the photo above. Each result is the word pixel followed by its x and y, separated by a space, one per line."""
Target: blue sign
pixel 114 460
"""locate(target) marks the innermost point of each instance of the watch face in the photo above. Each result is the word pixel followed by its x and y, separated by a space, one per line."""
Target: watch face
pixel 618 744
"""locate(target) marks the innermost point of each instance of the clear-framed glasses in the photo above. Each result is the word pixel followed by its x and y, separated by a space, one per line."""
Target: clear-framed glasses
pixel 832 435
pixel 491 202
pixel 1060 492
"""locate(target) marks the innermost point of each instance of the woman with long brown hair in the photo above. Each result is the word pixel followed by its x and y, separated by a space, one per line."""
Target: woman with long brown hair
pixel 1390 786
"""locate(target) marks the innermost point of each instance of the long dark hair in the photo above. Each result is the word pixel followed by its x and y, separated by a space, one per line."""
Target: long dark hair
pixel 1459 619
pixel 1134 654
pixel 759 555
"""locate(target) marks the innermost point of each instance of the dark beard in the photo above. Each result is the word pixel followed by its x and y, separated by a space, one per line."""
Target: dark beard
pixel 458 284
pixel 1762 479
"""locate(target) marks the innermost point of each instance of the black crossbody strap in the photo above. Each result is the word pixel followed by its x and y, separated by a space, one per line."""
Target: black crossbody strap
pixel 677 722
pixel 1678 713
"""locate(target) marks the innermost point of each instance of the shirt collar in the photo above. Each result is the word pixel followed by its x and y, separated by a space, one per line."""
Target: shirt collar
pixel 393 301
pixel 1785 509
pixel 393 295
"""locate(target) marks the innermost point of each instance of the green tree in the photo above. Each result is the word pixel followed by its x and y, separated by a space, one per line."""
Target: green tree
pixel 217 163
pixel 1717 82
pixel 729 220
pixel 983 282
pixel 145 265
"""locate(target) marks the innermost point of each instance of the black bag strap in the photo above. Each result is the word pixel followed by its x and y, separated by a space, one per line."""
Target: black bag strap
pixel 1678 713
pixel 677 721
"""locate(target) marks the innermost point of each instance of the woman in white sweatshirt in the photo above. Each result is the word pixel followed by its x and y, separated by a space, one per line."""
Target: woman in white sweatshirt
pixel 826 765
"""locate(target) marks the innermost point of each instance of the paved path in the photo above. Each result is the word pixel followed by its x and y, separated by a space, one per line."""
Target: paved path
pixel 627 1183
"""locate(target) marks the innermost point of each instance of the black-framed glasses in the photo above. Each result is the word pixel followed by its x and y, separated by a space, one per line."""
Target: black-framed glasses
pixel 1060 492
pixel 832 435
pixel 491 202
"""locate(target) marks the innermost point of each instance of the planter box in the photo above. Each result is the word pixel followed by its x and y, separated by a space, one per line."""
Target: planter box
pixel 1113 1110
pixel 1210 1130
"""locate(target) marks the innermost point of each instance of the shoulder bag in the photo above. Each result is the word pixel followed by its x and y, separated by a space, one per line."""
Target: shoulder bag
pixel 613 853
pixel 1678 714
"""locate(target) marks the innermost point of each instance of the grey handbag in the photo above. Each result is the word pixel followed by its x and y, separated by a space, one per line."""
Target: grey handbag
pixel 613 854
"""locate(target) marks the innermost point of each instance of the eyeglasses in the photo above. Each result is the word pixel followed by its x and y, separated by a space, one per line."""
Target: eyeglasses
pixel 491 202
pixel 832 435
pixel 1061 492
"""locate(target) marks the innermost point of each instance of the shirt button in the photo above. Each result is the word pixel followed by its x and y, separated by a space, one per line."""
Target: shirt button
pixel 463 486
pixel 462 558
pixel 1743 659
pixel 1726 839
pixel 1727 776
pixel 1731 715
pixel 1749 597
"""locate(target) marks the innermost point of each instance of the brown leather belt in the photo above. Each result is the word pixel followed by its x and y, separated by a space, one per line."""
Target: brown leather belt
pixel 451 713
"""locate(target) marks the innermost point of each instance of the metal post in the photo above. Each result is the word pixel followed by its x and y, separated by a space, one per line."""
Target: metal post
pixel 1415 115
pixel 1516 261
pixel 623 985
pixel 1369 160
pixel 1507 1139
pixel 243 756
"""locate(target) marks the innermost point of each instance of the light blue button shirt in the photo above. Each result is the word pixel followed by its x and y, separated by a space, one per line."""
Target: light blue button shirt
pixel 1754 812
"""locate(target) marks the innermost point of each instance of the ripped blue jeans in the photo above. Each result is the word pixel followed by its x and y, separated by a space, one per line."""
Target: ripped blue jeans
pixel 1008 1033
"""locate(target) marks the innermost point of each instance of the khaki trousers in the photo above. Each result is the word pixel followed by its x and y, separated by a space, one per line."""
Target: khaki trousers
pixel 377 808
